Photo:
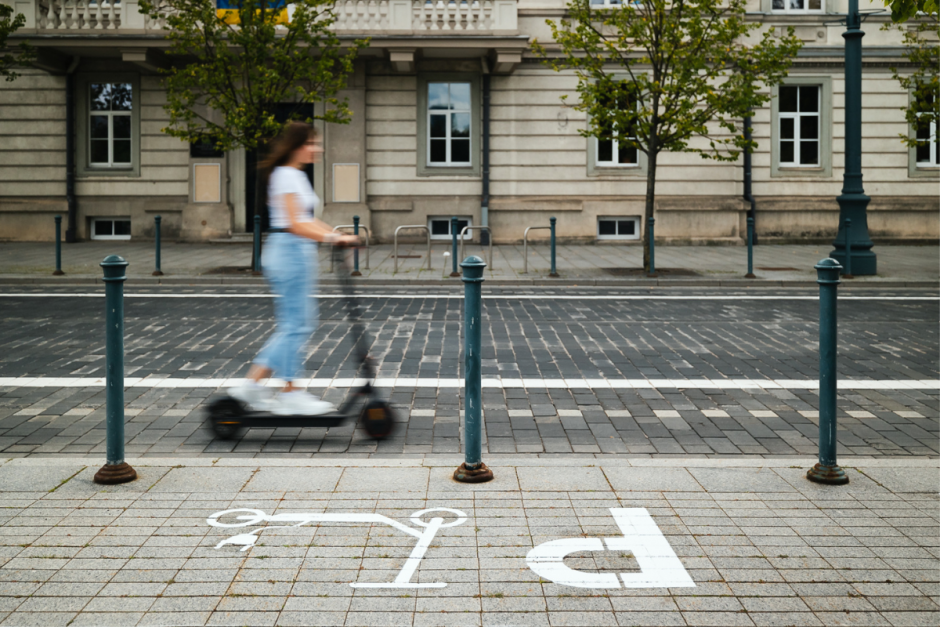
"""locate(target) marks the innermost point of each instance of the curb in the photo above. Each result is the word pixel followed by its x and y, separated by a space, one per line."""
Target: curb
pixel 367 283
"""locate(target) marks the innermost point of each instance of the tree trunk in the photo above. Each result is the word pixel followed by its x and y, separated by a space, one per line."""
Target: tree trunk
pixel 650 202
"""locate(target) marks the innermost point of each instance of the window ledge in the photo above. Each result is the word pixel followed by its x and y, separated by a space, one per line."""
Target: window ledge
pixel 456 173
pixel 91 175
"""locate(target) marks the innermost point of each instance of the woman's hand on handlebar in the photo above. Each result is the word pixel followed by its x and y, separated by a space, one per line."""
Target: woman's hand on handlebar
pixel 347 241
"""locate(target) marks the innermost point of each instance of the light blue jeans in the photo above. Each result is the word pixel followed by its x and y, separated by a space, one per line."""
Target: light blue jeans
pixel 290 267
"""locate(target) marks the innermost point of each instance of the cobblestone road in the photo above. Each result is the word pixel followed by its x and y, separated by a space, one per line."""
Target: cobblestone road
pixel 563 334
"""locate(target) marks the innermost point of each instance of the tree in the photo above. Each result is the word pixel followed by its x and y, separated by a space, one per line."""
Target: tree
pixel 656 74
pixel 923 83
pixel 238 64
pixel 9 23
pixel 903 10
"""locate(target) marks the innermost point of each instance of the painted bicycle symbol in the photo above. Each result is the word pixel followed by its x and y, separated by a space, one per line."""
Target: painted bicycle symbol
pixel 249 517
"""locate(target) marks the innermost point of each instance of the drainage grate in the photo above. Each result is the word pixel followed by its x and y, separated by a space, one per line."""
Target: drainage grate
pixel 229 270
pixel 639 272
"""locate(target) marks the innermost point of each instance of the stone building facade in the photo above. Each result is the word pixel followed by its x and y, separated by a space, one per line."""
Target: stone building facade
pixel 436 74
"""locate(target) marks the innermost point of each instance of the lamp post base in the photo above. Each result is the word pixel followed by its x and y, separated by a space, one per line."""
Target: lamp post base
pixel 829 475
pixel 116 473
pixel 479 474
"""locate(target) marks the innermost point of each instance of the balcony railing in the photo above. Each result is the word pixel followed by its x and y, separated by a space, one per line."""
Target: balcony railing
pixel 401 17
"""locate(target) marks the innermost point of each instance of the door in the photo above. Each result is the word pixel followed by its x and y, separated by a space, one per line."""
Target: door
pixel 283 113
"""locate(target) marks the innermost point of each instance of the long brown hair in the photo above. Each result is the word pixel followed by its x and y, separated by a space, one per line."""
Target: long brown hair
pixel 294 135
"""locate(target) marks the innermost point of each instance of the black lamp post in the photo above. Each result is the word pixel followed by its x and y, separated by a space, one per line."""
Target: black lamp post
pixel 853 203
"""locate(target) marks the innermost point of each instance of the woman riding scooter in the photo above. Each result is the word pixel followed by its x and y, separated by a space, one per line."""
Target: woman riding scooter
pixel 290 267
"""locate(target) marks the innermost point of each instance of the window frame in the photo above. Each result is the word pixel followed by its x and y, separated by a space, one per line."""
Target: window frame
pixel 917 169
pixel 112 219
pixel 423 139
pixel 449 237
pixel 824 168
pixel 617 219
pixel 797 117
pixel 84 167
pixel 604 169
pixel 767 6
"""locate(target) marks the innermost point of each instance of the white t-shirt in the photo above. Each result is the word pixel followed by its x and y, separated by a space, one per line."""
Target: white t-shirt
pixel 288 180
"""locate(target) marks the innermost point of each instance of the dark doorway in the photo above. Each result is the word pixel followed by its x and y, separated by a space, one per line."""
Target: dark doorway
pixel 283 113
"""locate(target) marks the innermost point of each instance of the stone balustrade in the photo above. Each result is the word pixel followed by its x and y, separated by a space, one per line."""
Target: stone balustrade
pixel 402 17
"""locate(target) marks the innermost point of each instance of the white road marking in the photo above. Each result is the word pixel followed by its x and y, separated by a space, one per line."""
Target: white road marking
pixel 659 565
pixel 535 384
pixel 715 297
pixel 403 580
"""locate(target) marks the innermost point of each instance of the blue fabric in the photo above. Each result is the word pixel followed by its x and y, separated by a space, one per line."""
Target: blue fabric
pixel 290 267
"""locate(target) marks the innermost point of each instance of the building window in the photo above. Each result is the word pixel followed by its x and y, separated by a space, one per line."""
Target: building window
pixel 927 152
pixel 615 152
pixel 796 6
pixel 618 227
pixel 606 3
pixel 799 123
pixel 110 228
pixel 449 124
pixel 109 128
pixel 440 227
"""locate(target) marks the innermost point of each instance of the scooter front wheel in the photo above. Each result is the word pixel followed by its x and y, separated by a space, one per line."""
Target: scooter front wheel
pixel 378 419
pixel 224 417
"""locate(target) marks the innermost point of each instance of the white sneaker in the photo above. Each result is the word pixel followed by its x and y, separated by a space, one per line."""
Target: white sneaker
pixel 254 395
pixel 300 403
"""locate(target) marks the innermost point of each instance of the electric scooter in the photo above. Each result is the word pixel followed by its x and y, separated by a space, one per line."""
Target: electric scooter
pixel 228 416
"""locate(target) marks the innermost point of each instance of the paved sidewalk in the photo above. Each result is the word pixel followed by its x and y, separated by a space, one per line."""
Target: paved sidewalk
pixel 201 263
pixel 575 543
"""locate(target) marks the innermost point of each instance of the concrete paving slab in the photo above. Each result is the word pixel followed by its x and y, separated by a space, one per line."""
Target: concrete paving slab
pixel 297 479
pixel 199 480
pixel 740 480
pixel 16 477
pixel 652 479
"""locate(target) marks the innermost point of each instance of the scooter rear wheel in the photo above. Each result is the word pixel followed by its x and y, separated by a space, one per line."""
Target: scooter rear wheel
pixel 224 414
pixel 378 419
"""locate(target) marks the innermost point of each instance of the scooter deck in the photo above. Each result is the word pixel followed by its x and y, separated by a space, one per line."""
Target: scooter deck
pixel 269 420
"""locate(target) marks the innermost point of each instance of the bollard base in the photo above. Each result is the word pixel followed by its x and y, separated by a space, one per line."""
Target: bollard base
pixel 355 273
pixel 480 474
pixel 554 275
pixel 829 475
pixel 57 273
pixel 453 274
pixel 750 275
pixel 111 474
pixel 156 273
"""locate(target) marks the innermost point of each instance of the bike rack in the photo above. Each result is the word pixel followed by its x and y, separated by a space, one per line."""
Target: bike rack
pixel 525 247
pixel 411 226
pixel 352 226
pixel 477 228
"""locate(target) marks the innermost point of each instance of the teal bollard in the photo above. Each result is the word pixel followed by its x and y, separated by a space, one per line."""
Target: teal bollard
pixel 453 246
pixel 750 249
pixel 554 272
pixel 473 470
pixel 115 470
pixel 848 250
pixel 156 225
pixel 652 247
pixel 58 247
pixel 257 244
pixel 827 470
pixel 355 271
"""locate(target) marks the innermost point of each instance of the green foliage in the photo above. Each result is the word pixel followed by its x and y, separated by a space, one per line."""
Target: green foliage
pixel 686 63
pixel 9 23
pixel 922 52
pixel 903 10
pixel 235 67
